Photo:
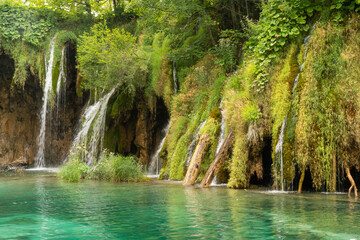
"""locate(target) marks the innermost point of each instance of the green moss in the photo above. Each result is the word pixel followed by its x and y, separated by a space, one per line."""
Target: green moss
pixel 123 103
pixel 238 165
pixel 178 160
pixel 212 128
pixel 216 114
pixel 160 72
pixel 319 129
pixel 250 113
pixel 55 74
pixel 112 139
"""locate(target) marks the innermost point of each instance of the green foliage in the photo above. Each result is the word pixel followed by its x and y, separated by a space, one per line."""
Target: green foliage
pixel 178 159
pixel 74 170
pixel 319 131
pixel 237 96
pixel 24 23
pixel 281 97
pixel 227 49
pixel 110 167
pixel 280 22
pixel 117 168
pixel 161 80
pixel 250 113
pixel 158 14
pixel 200 95
pixel 107 58
pixel 211 128
pixel 238 165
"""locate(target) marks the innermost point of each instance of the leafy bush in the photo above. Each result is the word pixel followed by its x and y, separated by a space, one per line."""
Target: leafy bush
pixel 107 58
pixel 29 24
pixel 117 168
pixel 74 170
pixel 110 167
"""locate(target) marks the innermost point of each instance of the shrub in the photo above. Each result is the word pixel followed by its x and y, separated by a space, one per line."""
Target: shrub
pixel 117 168
pixel 110 167
pixel 74 170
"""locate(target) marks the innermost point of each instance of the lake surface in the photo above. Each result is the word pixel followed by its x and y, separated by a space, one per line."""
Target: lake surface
pixel 38 206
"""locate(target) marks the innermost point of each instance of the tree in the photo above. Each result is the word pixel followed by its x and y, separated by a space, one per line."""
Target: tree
pixel 107 58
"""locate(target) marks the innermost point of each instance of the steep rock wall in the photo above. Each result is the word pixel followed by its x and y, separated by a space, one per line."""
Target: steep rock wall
pixel 19 116
pixel 19 125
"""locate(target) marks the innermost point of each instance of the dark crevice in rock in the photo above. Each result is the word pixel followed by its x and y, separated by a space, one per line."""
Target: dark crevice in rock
pixel 136 130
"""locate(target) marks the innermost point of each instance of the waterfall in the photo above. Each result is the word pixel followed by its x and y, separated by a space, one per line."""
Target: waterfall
pixel 193 143
pixel 39 158
pixel 154 165
pixel 175 79
pixel 280 143
pixel 279 150
pixel 222 130
pixel 221 136
pixel 61 80
pixel 93 119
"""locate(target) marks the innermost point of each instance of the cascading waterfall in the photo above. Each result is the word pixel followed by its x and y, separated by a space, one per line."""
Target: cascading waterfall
pixel 221 136
pixel 154 165
pixel 175 78
pixel 280 144
pixel 193 143
pixel 61 82
pixel 279 151
pixel 39 158
pixel 93 119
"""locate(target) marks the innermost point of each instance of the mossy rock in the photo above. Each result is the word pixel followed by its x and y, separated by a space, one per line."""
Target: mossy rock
pixel 216 114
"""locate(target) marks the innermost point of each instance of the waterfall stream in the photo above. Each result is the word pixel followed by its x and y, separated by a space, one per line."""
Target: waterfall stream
pixel 154 165
pixel 193 143
pixel 93 123
pixel 280 144
pixel 221 137
pixel 61 82
pixel 176 88
pixel 39 158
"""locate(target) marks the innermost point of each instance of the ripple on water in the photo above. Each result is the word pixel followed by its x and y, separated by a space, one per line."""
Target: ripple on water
pixel 38 206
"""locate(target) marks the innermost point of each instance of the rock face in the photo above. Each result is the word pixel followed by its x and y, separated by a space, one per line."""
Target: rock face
pixel 19 116
pixel 19 124
pixel 137 131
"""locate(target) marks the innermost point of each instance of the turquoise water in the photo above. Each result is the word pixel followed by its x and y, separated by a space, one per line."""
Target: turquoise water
pixel 38 206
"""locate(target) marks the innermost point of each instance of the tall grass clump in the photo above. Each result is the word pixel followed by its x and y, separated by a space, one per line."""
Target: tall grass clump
pixel 110 167
pixel 74 170
pixel 117 168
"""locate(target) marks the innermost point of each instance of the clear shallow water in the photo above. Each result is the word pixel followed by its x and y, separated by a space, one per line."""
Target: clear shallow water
pixel 36 205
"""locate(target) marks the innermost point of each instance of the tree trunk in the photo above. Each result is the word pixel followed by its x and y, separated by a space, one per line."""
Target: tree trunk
pixel 211 37
pixel 353 185
pixel 233 14
pixel 333 183
pixel 247 8
pixel 88 8
pixel 301 179
pixel 195 163
pixel 115 5
pixel 218 162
